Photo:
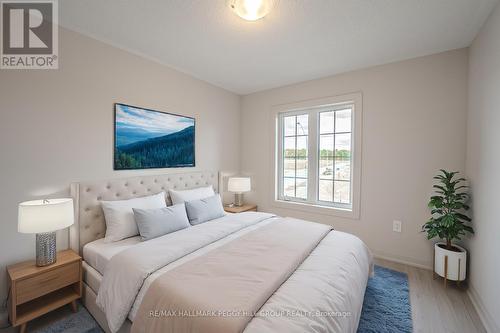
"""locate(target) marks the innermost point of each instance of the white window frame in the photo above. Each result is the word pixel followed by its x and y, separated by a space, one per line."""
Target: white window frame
pixel 313 107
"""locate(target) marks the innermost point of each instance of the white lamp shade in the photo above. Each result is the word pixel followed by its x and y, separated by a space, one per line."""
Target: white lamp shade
pixel 239 184
pixel 39 216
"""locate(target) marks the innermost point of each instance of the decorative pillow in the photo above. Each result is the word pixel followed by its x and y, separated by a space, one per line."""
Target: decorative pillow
pixel 154 223
pixel 179 197
pixel 120 223
pixel 203 210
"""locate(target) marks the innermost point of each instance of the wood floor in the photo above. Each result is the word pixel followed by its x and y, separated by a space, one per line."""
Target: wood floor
pixel 434 309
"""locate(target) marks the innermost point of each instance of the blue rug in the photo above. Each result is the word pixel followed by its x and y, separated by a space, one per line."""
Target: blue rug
pixel 386 307
pixel 79 322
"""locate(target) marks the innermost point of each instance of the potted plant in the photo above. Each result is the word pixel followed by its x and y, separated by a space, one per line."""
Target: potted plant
pixel 449 222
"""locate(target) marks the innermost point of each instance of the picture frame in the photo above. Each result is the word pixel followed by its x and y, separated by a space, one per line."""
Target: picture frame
pixel 149 139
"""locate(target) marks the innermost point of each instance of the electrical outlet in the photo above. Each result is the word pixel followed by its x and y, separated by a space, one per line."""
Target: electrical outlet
pixel 396 226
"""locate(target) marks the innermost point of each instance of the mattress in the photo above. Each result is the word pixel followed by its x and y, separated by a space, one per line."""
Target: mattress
pixel 91 277
pixel 98 253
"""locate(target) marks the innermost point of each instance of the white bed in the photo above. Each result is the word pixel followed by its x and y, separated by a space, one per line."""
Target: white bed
pixel 332 278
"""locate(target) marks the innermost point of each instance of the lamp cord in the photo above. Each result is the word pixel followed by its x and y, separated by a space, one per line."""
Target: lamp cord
pixel 4 304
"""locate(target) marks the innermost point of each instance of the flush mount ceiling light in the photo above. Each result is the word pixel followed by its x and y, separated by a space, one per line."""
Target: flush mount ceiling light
pixel 252 10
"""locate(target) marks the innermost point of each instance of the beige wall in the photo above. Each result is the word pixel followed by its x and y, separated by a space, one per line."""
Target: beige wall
pixel 483 170
pixel 56 126
pixel 414 121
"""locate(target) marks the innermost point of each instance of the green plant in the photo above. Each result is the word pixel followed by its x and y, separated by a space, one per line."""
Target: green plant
pixel 448 209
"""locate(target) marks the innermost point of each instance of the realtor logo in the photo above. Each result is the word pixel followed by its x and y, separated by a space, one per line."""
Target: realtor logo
pixel 29 35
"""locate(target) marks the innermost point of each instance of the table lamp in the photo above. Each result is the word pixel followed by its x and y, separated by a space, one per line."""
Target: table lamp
pixel 43 218
pixel 238 185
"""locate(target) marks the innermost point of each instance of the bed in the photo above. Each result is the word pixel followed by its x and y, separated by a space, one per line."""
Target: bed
pixel 307 277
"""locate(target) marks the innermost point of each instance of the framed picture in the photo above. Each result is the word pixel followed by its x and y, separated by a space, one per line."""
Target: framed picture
pixel 146 139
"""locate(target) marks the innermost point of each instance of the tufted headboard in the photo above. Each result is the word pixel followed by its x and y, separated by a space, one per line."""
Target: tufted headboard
pixel 89 218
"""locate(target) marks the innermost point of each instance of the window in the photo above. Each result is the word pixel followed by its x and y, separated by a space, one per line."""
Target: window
pixel 334 170
pixel 295 147
pixel 316 157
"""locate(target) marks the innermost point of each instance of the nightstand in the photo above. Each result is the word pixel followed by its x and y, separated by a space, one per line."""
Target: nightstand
pixel 34 290
pixel 241 209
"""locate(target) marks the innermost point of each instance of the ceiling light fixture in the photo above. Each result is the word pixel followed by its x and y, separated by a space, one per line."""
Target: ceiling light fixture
pixel 252 10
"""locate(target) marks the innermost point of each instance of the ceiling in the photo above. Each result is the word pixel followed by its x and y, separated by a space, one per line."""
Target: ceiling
pixel 299 40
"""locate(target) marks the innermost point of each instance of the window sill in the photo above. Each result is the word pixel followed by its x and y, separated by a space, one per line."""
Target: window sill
pixel 316 209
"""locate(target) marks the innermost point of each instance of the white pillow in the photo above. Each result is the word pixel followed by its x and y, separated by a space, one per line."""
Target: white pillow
pixel 179 197
pixel 119 216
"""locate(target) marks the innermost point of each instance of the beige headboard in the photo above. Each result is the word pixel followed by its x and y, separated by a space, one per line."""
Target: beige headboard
pixel 89 219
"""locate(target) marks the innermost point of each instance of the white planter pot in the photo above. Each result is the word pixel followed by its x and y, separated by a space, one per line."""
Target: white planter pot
pixel 457 262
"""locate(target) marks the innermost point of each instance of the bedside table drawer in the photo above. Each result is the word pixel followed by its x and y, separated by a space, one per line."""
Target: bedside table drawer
pixel 41 284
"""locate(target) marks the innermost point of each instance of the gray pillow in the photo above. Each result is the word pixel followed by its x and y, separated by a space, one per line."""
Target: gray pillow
pixel 154 223
pixel 203 210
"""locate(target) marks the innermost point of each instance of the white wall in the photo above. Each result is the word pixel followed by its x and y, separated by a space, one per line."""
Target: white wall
pixel 483 169
pixel 414 122
pixel 56 126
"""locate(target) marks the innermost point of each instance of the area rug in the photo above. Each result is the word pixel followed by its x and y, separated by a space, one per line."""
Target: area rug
pixel 386 307
pixel 78 322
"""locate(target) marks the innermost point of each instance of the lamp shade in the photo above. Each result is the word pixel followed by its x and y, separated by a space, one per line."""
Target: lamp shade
pixel 39 216
pixel 239 184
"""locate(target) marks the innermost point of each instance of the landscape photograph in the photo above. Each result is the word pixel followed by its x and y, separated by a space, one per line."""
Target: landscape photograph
pixel 146 139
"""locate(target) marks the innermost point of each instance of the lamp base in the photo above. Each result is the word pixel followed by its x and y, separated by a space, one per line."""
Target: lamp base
pixel 238 199
pixel 46 249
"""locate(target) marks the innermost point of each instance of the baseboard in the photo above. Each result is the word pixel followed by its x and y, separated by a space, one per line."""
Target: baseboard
pixel 486 318
pixel 400 260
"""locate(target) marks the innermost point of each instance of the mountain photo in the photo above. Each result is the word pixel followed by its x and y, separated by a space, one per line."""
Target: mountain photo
pixel 147 139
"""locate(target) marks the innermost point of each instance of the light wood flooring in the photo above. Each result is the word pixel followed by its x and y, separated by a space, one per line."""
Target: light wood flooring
pixel 434 309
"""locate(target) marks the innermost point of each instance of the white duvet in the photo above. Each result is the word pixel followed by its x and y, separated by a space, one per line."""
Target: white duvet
pixel 325 294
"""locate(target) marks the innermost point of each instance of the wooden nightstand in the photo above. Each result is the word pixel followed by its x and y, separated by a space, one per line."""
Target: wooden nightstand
pixel 34 291
pixel 241 209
